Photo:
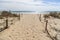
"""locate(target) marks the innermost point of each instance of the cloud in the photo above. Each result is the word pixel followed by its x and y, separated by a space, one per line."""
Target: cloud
pixel 34 5
pixel 17 0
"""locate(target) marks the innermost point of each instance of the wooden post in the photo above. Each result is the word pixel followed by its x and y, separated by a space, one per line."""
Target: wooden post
pixel 46 25
pixel 40 17
pixel 1 29
pixel 46 29
pixel 45 19
pixel 19 16
pixel 6 23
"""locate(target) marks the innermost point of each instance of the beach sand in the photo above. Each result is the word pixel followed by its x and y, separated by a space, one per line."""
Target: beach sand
pixel 29 27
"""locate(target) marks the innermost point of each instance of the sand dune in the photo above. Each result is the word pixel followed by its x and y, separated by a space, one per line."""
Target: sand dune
pixel 28 28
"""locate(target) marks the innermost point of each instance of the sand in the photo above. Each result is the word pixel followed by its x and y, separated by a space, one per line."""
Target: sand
pixel 29 27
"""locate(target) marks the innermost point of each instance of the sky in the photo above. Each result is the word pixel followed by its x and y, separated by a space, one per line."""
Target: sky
pixel 30 5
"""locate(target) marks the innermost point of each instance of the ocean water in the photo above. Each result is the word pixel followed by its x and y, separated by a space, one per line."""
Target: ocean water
pixel 30 12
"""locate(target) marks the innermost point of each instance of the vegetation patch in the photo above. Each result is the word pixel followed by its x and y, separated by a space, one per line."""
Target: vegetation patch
pixel 52 14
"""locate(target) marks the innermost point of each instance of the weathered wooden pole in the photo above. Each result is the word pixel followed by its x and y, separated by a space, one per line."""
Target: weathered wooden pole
pixel 45 19
pixel 19 17
pixel 6 23
pixel 1 29
pixel 46 29
pixel 46 25
pixel 40 17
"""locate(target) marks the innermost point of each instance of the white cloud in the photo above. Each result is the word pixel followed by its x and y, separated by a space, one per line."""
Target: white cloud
pixel 19 0
pixel 35 5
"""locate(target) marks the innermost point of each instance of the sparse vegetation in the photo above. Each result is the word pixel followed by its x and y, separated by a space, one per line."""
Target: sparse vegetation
pixel 52 14
pixel 8 14
pixel 46 16
pixel 1 17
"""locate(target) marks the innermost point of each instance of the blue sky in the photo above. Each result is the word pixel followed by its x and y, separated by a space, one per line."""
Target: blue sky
pixel 30 5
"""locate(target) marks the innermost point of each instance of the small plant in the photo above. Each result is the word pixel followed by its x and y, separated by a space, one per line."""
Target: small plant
pixel 1 17
pixel 46 16
pixel 15 15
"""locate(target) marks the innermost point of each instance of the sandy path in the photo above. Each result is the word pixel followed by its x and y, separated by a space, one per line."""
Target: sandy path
pixel 28 28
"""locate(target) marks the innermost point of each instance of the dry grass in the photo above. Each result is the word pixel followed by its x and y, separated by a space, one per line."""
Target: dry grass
pixel 8 14
pixel 52 14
